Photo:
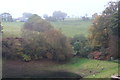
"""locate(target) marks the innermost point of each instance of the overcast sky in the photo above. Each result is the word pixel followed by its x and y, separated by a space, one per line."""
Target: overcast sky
pixel 40 7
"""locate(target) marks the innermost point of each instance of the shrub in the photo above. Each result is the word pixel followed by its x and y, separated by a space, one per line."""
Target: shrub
pixel 26 57
pixel 80 37
pixel 11 48
pixel 35 23
pixel 51 44
pixel 81 45
pixel 43 41
pixel 36 45
pixel 49 55
pixel 86 50
pixel 59 45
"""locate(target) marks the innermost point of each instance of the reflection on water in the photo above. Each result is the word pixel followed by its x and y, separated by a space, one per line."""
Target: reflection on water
pixel 47 74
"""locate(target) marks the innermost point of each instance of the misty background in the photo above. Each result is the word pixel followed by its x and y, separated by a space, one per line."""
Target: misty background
pixel 73 8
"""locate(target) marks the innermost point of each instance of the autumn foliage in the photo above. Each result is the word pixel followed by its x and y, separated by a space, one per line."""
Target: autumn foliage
pixel 39 41
pixel 104 31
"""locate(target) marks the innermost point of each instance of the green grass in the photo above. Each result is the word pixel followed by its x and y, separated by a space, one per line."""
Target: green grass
pixel 91 68
pixel 72 28
pixel 12 29
pixel 72 19
pixel 69 28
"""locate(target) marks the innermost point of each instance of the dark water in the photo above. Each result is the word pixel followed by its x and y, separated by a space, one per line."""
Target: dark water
pixel 47 75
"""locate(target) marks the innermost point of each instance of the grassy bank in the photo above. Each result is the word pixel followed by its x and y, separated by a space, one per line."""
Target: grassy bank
pixel 91 68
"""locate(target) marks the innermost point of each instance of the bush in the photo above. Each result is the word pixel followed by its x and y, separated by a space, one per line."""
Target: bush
pixel 52 44
pixel 39 40
pixel 11 48
pixel 26 57
pixel 59 45
pixel 86 50
pixel 116 61
pixel 81 45
pixel 43 41
pixel 35 23
pixel 80 37
pixel 36 45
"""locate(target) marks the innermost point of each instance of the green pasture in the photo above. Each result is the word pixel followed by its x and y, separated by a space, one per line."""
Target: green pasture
pixel 68 27
pixel 12 29
pixel 71 28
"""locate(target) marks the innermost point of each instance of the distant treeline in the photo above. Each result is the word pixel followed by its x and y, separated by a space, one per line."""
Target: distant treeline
pixel 56 16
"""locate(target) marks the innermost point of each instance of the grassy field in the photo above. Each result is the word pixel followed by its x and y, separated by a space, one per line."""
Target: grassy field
pixel 12 29
pixel 69 28
pixel 87 68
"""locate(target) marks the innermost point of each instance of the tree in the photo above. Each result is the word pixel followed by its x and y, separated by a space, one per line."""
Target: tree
pixel 45 16
pixel 43 41
pixel 99 31
pixel 104 31
pixel 51 18
pixel 27 15
pixel 7 17
pixel 94 15
pixel 114 11
pixel 84 18
pixel 36 23
pixel 60 47
pixel 59 15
